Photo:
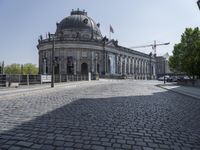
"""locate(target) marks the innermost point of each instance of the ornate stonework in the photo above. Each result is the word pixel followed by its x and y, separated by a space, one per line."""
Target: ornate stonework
pixel 80 48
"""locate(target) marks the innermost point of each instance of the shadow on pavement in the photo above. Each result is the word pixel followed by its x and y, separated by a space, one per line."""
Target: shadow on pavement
pixel 162 120
pixel 185 90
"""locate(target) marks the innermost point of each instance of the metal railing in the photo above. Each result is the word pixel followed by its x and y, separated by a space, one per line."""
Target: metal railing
pixel 7 80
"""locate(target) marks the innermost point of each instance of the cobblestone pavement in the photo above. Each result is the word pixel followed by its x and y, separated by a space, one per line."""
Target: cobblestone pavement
pixel 100 115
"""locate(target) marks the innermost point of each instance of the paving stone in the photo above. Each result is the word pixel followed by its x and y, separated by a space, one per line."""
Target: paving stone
pixel 121 141
pixel 105 139
pixel 6 146
pixel 69 144
pixel 137 147
pixel 87 147
pixel 14 148
pixel 130 142
pixel 164 146
pixel 36 146
pixel 24 144
pixel 58 143
pixel 147 148
pixel 153 145
pixel 10 142
pixel 126 146
pixel 49 147
pixel 141 143
pixel 117 145
pixel 96 147
pixel 106 144
pixel 78 145
pixel 109 148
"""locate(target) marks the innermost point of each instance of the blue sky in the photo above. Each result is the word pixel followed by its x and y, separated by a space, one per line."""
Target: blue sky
pixel 135 22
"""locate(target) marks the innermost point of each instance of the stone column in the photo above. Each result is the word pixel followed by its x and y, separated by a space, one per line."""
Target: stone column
pixel 131 66
pixel 92 63
pixel 154 70
pixel 123 65
pixel 74 67
pixel 135 68
pixel 147 73
pixel 116 64
pixel 139 66
pixel 128 65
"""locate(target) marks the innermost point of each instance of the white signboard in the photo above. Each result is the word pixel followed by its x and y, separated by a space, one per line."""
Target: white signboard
pixel 45 78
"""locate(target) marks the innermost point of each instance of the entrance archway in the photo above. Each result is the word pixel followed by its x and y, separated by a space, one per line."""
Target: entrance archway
pixel 84 68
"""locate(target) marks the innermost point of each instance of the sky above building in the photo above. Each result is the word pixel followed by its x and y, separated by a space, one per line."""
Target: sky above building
pixel 135 22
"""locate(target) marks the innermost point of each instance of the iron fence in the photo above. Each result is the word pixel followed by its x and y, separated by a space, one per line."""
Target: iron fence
pixel 7 80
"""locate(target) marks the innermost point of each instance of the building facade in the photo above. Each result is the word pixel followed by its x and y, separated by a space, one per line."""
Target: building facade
pixel 162 65
pixel 80 48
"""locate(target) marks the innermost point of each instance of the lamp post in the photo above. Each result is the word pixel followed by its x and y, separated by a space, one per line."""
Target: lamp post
pixel 198 3
pixel 164 71
pixel 52 58
pixel 104 40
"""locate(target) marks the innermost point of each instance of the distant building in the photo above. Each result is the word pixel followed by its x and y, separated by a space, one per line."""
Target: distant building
pixel 80 48
pixel 162 65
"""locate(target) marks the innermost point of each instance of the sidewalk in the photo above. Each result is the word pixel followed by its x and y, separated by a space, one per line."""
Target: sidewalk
pixel 185 90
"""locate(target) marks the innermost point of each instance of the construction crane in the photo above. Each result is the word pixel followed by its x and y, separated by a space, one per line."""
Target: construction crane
pixel 154 45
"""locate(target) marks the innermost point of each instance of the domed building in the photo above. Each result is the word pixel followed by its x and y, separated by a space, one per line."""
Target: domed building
pixel 80 48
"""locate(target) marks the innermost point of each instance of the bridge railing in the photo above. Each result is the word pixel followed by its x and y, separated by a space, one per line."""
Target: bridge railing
pixel 7 80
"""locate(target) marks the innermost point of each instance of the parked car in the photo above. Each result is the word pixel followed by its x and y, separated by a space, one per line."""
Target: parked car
pixel 180 78
pixel 162 78
pixel 172 79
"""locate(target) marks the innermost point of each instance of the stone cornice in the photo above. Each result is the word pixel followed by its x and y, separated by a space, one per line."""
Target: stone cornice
pixel 92 46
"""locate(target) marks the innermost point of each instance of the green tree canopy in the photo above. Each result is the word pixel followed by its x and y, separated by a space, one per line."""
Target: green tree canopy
pixel 21 69
pixel 30 69
pixel 186 54
pixel 13 69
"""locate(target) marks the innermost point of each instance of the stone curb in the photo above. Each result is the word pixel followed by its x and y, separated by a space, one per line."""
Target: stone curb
pixel 179 92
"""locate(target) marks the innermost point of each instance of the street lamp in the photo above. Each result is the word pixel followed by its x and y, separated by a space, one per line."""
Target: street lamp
pixel 104 40
pixel 52 58
pixel 164 71
pixel 198 3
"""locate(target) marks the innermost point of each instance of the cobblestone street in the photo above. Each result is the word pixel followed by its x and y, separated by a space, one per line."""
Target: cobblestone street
pixel 100 115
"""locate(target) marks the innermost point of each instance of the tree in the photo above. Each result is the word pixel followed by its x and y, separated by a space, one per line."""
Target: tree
pixel 186 54
pixel 21 69
pixel 30 69
pixel 13 69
